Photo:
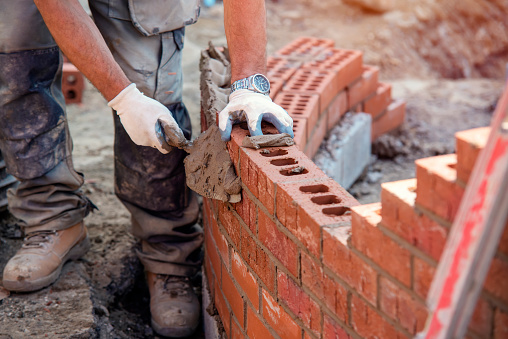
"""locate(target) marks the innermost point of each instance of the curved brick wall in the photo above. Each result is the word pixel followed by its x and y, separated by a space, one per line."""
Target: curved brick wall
pixel 298 257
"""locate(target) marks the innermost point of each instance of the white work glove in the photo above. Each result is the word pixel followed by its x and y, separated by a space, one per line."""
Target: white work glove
pixel 139 115
pixel 246 105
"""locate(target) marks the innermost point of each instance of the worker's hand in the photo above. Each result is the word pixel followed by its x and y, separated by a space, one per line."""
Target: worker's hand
pixel 246 105
pixel 139 115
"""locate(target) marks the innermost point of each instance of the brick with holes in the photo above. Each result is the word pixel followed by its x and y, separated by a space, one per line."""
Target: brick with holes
pixel 300 131
pixel 281 68
pixel 73 84
pixel 300 105
pixel 364 87
pixel 305 48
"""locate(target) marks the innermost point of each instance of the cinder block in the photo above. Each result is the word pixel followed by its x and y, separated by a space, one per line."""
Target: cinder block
pixel 73 84
pixel 245 279
pixel 403 308
pixel 400 216
pixel 437 189
pixel 299 302
pixel 314 81
pixel 330 292
pixel 305 48
pixel 368 323
pixel 279 319
pixel 371 241
pixel 469 144
pixel 347 150
pixel 278 243
pixel 281 67
pixel 305 207
pixel 365 87
pixel 392 118
pixel 302 106
pixel 380 101
pixel 347 265
pixel 346 64
pixel 255 327
pixel 232 295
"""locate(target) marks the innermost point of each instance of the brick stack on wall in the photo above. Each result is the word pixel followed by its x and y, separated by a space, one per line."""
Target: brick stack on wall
pixel 298 257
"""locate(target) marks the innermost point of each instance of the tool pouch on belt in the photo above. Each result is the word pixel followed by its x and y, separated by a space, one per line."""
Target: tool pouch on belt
pixel 156 16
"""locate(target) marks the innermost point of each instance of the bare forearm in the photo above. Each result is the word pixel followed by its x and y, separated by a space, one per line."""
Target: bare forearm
pixel 80 40
pixel 245 25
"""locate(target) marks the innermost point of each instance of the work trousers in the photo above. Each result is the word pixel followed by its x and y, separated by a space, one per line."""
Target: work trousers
pixel 36 145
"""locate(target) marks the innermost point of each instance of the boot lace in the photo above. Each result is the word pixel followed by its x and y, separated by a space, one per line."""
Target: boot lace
pixel 175 285
pixel 35 239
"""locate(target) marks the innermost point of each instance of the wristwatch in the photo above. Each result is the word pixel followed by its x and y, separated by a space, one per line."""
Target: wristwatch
pixel 257 83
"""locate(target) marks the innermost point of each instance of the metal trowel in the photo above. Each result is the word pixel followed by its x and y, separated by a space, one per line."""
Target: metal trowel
pixel 208 167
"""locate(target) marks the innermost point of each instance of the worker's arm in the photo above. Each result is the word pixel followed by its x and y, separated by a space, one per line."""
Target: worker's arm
pixel 245 25
pixel 80 40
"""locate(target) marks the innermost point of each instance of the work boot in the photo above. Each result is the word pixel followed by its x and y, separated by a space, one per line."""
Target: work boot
pixel 39 261
pixel 173 304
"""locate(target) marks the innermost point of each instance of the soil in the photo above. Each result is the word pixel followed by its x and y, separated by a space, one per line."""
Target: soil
pixel 420 51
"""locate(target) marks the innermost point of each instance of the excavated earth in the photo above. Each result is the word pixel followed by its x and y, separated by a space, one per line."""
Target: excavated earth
pixel 445 58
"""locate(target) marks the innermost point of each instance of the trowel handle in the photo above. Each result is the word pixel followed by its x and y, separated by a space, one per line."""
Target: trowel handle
pixel 167 136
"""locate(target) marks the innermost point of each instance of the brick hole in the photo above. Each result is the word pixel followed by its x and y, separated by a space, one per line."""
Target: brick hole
pixel 273 153
pixel 284 162
pixel 452 166
pixel 412 189
pixel 326 200
pixel 337 211
pixel 314 189
pixel 71 79
pixel 71 94
pixel 294 171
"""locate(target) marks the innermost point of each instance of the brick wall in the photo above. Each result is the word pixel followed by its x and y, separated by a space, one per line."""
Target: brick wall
pixel 298 257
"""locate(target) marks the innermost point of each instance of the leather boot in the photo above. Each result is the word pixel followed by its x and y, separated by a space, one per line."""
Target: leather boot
pixel 39 261
pixel 173 304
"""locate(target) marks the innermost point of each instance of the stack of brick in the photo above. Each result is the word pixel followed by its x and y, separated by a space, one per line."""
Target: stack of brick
pixel 298 257
pixel 317 83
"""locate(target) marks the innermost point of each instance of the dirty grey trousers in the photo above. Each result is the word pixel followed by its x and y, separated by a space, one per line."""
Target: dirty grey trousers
pixel 36 145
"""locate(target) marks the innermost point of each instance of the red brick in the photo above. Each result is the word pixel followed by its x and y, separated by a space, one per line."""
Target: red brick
pixel 304 207
pixel 364 87
pixel 212 254
pixel 379 102
pixel 232 295
pixel 330 292
pixel 276 86
pixel 437 189
pixel 73 84
pixel 347 265
pixel 423 275
pixel 279 319
pixel 500 324
pixel 305 48
pixel 333 330
pixel 306 309
pixel 230 222
pixel 299 105
pixel 281 68
pixel 368 323
pixel 300 131
pixel 236 331
pixel 278 243
pixel 481 321
pixel 503 242
pixel 410 313
pixel 209 275
pixel 346 64
pixel 389 120
pixel 314 81
pixel 336 110
pixel 259 262
pixel 245 279
pixel 495 283
pixel 469 144
pixel 223 310
pixel 255 327
pixel 399 215
pixel 369 239
pixel 264 171
pixel 220 242
pixel 247 211
pixel 316 136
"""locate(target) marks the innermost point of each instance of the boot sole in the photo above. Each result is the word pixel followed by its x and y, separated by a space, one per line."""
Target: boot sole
pixel 75 253
pixel 173 332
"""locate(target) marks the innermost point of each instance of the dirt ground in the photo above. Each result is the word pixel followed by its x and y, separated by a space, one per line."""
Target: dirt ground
pixel 438 85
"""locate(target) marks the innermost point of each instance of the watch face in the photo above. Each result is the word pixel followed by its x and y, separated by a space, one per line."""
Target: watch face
pixel 261 83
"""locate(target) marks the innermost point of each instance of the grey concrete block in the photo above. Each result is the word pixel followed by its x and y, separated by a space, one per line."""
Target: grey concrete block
pixel 345 154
